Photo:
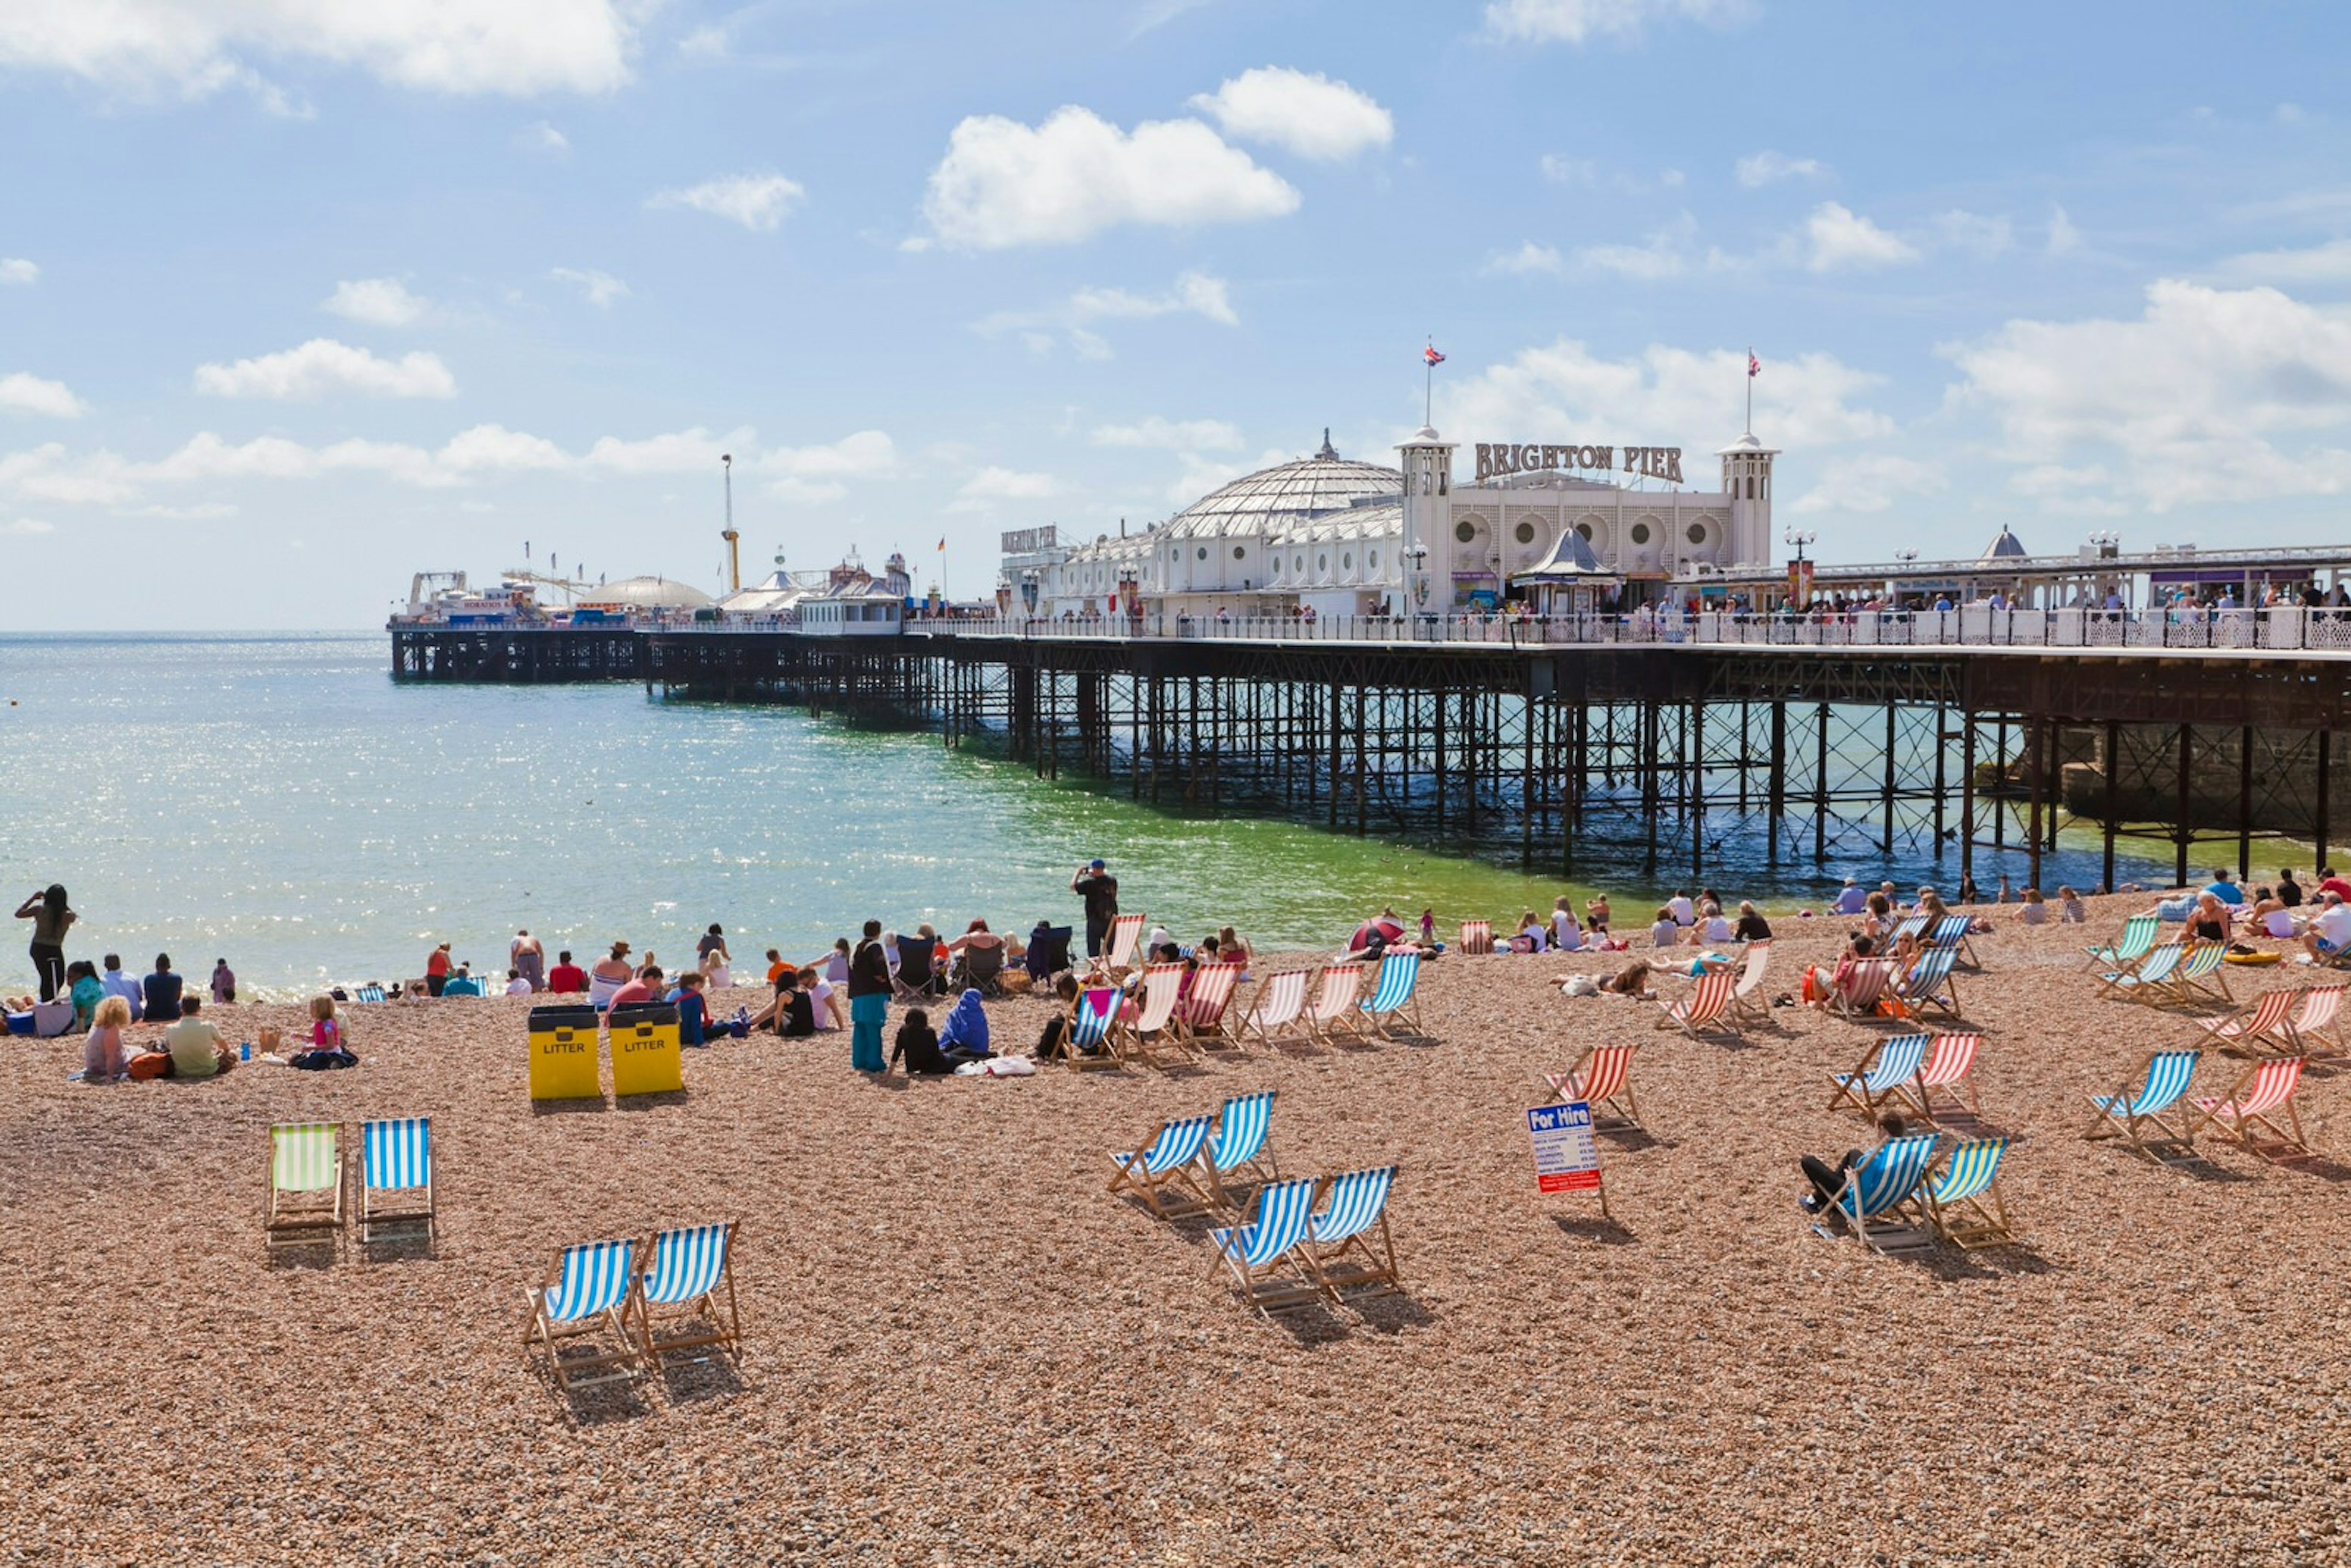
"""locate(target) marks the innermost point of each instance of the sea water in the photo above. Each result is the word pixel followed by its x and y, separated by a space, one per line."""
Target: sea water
pixel 279 801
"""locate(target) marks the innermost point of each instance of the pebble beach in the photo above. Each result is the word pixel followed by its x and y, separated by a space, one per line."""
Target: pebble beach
pixel 961 1349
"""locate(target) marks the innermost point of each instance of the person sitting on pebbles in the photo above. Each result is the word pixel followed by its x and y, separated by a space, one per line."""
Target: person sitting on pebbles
pixel 196 1046
pixel 1828 1180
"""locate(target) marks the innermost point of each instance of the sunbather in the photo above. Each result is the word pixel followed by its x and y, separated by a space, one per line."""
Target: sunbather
pixel 1827 1178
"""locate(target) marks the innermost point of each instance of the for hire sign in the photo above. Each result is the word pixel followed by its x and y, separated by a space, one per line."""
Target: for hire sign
pixel 1497 458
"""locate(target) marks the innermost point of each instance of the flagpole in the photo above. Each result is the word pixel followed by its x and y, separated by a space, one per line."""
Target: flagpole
pixel 1749 426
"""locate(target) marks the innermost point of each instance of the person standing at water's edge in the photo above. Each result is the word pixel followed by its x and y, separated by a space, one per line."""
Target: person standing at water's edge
pixel 51 918
pixel 436 970
pixel 869 1000
pixel 528 960
pixel 1094 884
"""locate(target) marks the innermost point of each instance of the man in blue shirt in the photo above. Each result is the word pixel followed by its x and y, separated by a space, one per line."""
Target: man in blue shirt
pixel 2227 892
pixel 1853 900
pixel 162 993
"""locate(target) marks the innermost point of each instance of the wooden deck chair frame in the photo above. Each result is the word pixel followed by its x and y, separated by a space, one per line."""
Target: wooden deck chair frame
pixel 1126 940
pixel 1705 1008
pixel 1979 1217
pixel 2132 983
pixel 2126 953
pixel 1106 1052
pixel 1258 1165
pixel 1285 1280
pixel 2317 1022
pixel 1153 1026
pixel 1476 938
pixel 2229 1113
pixel 1852 1090
pixel 1901 1223
pixel 401 1214
pixel 1407 1009
pixel 2146 1131
pixel 725 1330
pixel 1859 1000
pixel 1958 942
pixel 1363 1262
pixel 1603 1079
pixel 1275 987
pixel 1199 1024
pixel 310 1211
pixel 2189 988
pixel 1169 1184
pixel 1939 994
pixel 1324 1023
pixel 1951 1065
pixel 2265 1028
pixel 1747 998
pixel 549 1334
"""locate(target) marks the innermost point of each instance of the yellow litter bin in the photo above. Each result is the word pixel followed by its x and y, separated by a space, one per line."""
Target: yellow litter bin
pixel 563 1054
pixel 645 1057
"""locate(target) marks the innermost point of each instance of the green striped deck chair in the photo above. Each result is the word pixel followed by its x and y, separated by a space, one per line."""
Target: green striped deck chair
pixel 2200 978
pixel 305 1184
pixel 1964 1196
pixel 2136 942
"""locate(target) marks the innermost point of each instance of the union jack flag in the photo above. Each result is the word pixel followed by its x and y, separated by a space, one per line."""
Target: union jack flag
pixel 1754 365
pixel 1431 356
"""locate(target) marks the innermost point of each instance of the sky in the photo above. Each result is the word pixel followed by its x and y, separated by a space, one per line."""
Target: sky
pixel 300 297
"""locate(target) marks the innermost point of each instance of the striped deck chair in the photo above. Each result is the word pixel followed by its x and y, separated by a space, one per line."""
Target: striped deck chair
pixel 2147 977
pixel 1160 1175
pixel 1236 1148
pixel 1348 1242
pixel 2263 1029
pixel 1964 1196
pixel 305 1184
pixel 2136 942
pixel 1275 1009
pixel 1200 1016
pixel 2200 977
pixel 1476 938
pixel 1747 998
pixel 1951 933
pixel 1125 938
pixel 1858 994
pixel 1705 1008
pixel 1910 925
pixel 2136 1116
pixel 1878 1192
pixel 1882 1076
pixel 2252 1106
pixel 1331 1013
pixel 1950 1066
pixel 368 994
pixel 1265 1256
pixel 591 1290
pixel 1930 986
pixel 1093 1042
pixel 1153 1023
pixel 2320 1007
pixel 462 985
pixel 1603 1079
pixel 396 1178
pixel 691 1267
pixel 1395 1000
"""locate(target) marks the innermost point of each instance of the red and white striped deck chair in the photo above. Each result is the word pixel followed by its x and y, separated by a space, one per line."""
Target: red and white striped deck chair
pixel 1857 995
pixel 1747 997
pixel 2253 1106
pixel 1949 1066
pixel 1476 936
pixel 1153 1023
pixel 1200 1016
pixel 1125 937
pixel 2317 1015
pixel 1603 1079
pixel 1706 1008
pixel 1333 1011
pixel 2261 1030
pixel 1273 1012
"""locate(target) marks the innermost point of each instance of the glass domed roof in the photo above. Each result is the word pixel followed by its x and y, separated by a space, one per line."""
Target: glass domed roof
pixel 1323 483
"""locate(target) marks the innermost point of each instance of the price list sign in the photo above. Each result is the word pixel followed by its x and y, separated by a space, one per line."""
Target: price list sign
pixel 1566 1158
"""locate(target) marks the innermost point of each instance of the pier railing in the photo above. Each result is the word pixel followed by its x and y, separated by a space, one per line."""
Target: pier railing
pixel 2186 629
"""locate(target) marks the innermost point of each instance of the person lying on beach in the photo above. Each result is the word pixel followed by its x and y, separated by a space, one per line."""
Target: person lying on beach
pixel 918 1047
pixel 196 1046
pixel 103 1059
pixel 328 1048
pixel 1632 980
pixel 1827 1179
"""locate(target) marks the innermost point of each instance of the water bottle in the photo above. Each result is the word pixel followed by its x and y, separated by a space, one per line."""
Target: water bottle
pixel 245 1051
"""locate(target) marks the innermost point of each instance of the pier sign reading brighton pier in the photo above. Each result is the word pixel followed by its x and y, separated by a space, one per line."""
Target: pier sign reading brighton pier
pixel 1497 458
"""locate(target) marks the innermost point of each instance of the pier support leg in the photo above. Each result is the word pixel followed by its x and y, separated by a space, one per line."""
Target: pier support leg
pixel 2187 778
pixel 2246 803
pixel 1967 797
pixel 2113 805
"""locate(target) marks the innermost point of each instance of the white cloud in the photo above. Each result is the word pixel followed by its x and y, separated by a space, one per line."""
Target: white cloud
pixel 23 394
pixel 1670 252
pixel 1004 184
pixel 1196 292
pixel 1170 435
pixel 1763 168
pixel 1590 174
pixel 1304 113
pixel 2210 394
pixel 492 448
pixel 815 474
pixel 1974 232
pixel 323 366
pixel 198 46
pixel 1662 396
pixel 990 484
pixel 707 43
pixel 693 450
pixel 28 527
pixel 377 301
pixel 1529 260
pixel 1835 237
pixel 599 289
pixel 2320 264
pixel 50 473
pixel 758 202
pixel 1159 13
pixel 541 137
pixel 1870 482
pixel 1580 21
pixel 16 269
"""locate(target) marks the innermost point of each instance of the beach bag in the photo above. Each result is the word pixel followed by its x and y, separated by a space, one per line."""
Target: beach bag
pixel 1815 991
pixel 1892 1008
pixel 268 1040
pixel 149 1064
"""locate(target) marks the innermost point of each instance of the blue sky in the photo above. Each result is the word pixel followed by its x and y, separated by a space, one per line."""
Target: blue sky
pixel 297 296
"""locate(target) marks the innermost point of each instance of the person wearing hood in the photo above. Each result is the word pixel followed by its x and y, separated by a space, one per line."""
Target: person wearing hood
pixel 963 1036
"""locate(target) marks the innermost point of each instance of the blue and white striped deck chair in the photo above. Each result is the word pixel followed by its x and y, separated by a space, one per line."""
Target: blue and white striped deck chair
pixel 1264 1257
pixel 1877 1191
pixel 1349 1241
pixel 1882 1075
pixel 2152 973
pixel 2137 1118
pixel 369 994
pixel 1160 1175
pixel 1951 932
pixel 1237 1147
pixel 691 1267
pixel 1964 1196
pixel 1090 1016
pixel 396 1157
pixel 1929 985
pixel 1909 926
pixel 1393 997
pixel 591 1290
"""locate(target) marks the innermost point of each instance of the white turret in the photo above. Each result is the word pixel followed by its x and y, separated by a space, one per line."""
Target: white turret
pixel 1746 480
pixel 1427 522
